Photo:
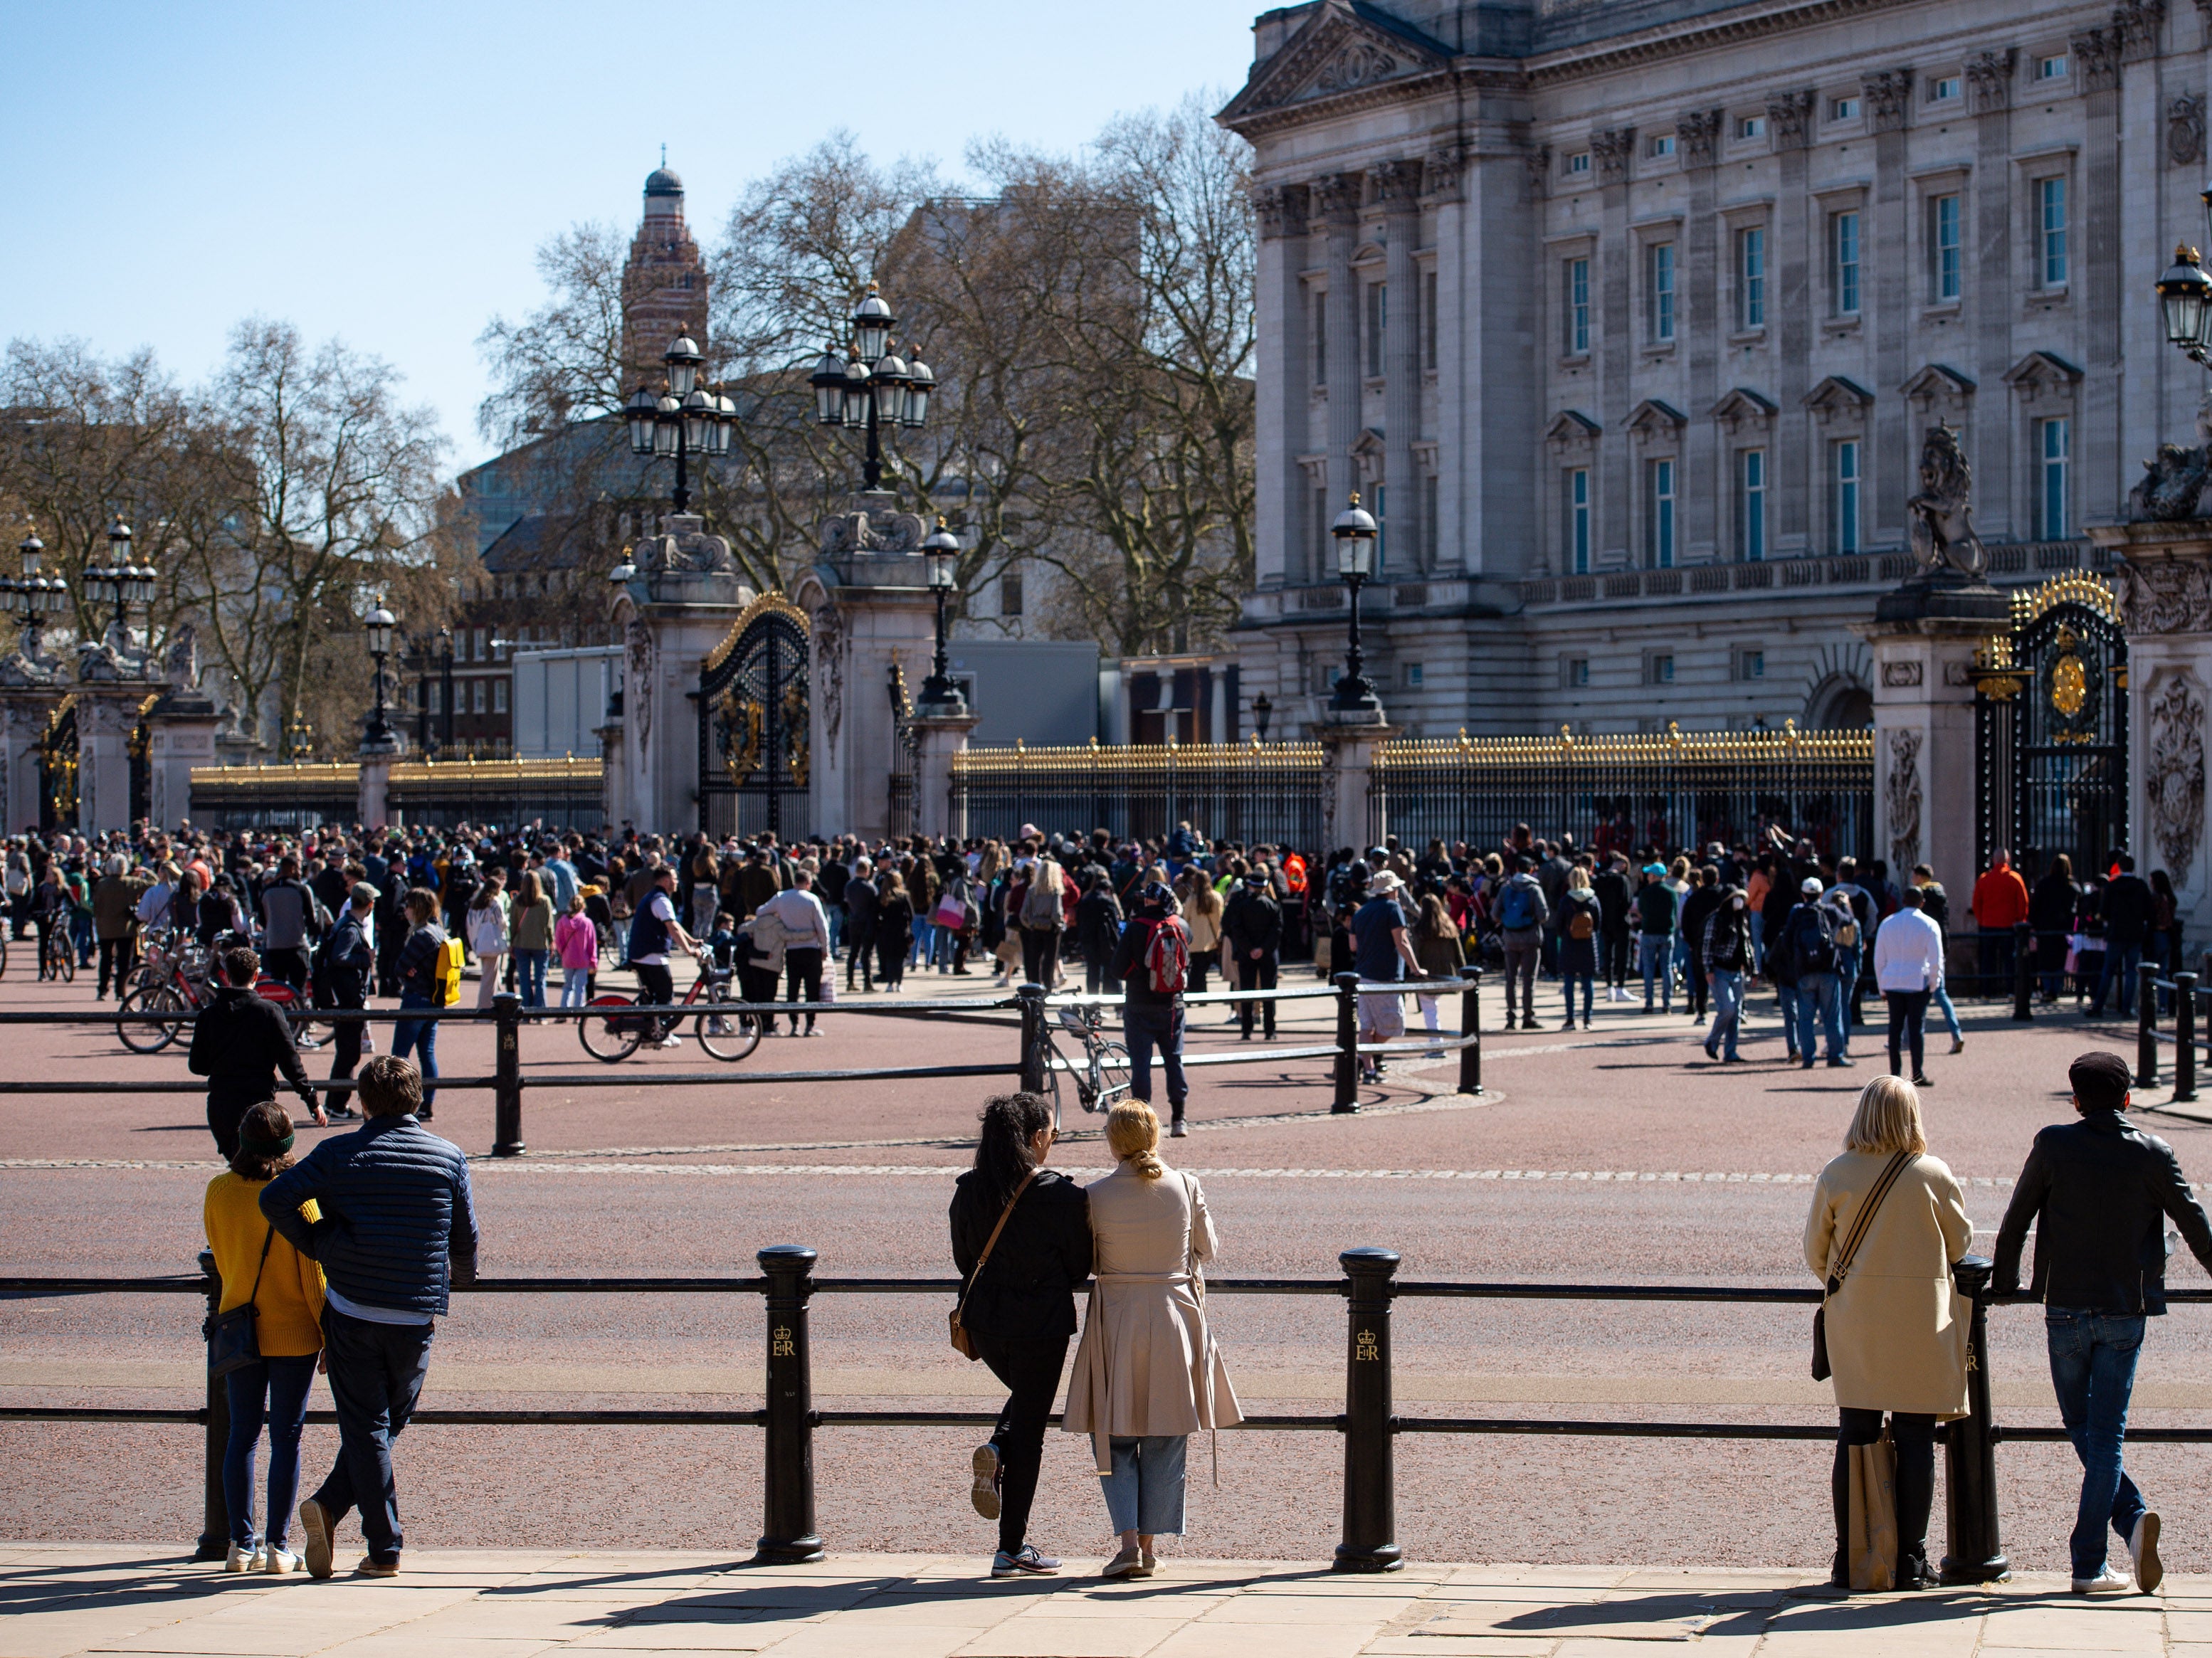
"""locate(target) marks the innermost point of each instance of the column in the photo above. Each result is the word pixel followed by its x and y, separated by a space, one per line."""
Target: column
pixel 2105 290
pixel 104 721
pixel 1336 202
pixel 1347 759
pixel 1890 449
pixel 1283 356
pixel 181 737
pixel 1612 473
pixel 1397 186
pixel 1703 492
pixel 1987 440
pixel 939 739
pixel 1797 233
pixel 2129 329
pixel 23 716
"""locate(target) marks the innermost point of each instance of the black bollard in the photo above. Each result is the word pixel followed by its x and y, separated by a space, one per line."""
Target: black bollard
pixel 2147 1025
pixel 1970 1465
pixel 2184 1037
pixel 2023 971
pixel 1032 1000
pixel 1370 1493
pixel 788 1460
pixel 214 1513
pixel 1470 1026
pixel 1347 1044
pixel 507 1075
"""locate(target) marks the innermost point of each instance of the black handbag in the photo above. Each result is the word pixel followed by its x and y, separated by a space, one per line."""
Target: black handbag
pixel 1860 1222
pixel 233 1342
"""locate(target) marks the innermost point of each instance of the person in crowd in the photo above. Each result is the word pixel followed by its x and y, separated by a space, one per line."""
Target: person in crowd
pixel 2128 907
pixel 1253 921
pixel 1021 1240
pixel 288 920
pixel 488 935
pixel 1202 908
pixel 1657 911
pixel 532 917
pixel 1726 952
pixel 1520 913
pixel 653 932
pixel 1147 1373
pixel 50 914
pixel 397 1226
pixel 285 1289
pixel 2000 904
pixel 1908 965
pixel 422 971
pixel 1580 927
pixel 862 902
pixel 1437 948
pixel 1846 903
pixel 2051 914
pixel 805 941
pixel 1896 1325
pixel 1152 960
pixel 344 962
pixel 2165 930
pixel 894 930
pixel 1699 905
pixel 1097 930
pixel 1801 959
pixel 2087 940
pixel 115 924
pixel 1935 905
pixel 240 1042
pixel 758 879
pixel 2100 1192
pixel 1382 953
pixel 1042 919
pixel 705 888
pixel 576 942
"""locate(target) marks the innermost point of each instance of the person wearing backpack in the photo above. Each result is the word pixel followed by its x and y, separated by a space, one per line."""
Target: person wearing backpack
pixel 426 974
pixel 1522 912
pixel 1152 960
pixel 1807 942
pixel 1581 920
pixel 338 973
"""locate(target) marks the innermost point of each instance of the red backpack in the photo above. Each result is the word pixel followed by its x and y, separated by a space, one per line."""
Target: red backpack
pixel 1167 955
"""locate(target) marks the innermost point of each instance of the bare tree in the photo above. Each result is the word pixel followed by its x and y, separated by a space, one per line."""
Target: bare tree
pixel 563 362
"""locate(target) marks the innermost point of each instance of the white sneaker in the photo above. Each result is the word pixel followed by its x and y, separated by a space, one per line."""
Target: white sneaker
pixel 243 1557
pixel 280 1560
pixel 2107 1581
pixel 670 1041
pixel 2142 1549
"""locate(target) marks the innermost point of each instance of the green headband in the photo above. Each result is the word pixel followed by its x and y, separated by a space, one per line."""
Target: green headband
pixel 258 1144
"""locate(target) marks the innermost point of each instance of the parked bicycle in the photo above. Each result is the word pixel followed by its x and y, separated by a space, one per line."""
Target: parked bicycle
pixel 616 1033
pixel 176 978
pixel 1102 1077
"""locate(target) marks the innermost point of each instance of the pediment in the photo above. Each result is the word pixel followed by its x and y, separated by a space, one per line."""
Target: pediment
pixel 1369 442
pixel 1346 48
pixel 1938 381
pixel 1743 404
pixel 1572 427
pixel 1652 418
pixel 2041 371
pixel 1838 395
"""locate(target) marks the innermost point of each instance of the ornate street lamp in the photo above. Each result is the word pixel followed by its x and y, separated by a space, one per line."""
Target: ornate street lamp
pixel 1354 533
pixel 870 387
pixel 378 627
pixel 300 737
pixel 122 581
pixel 686 418
pixel 1263 710
pixel 939 695
pixel 2185 298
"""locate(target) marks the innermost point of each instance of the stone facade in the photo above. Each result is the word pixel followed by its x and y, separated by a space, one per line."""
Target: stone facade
pixel 1631 315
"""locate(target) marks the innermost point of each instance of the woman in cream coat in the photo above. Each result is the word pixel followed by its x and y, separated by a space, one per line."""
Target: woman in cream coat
pixel 1896 1326
pixel 1147 1374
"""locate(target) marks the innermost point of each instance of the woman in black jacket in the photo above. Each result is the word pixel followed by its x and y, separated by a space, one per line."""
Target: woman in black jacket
pixel 1019 1310
pixel 2051 912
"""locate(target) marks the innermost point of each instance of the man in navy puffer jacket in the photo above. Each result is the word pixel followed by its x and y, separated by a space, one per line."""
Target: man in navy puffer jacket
pixel 397 1226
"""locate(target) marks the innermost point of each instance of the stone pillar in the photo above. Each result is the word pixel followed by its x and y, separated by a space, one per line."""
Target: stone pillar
pixel 375 779
pixel 1397 186
pixel 614 793
pixel 24 712
pixel 1347 770
pixel 1286 358
pixel 1923 637
pixel 182 735
pixel 105 716
pixel 682 601
pixel 938 739
pixel 1335 200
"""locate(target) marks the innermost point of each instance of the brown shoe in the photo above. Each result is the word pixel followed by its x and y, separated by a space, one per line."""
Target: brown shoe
pixel 315 1526
pixel 372 1567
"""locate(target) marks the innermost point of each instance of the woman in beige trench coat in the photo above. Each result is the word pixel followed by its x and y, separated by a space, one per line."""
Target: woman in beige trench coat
pixel 1147 1374
pixel 1896 1325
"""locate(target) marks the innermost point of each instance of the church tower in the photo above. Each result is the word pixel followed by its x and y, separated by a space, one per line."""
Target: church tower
pixel 664 283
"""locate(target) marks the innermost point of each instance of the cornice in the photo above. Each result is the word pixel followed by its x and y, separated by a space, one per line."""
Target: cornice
pixel 1699 34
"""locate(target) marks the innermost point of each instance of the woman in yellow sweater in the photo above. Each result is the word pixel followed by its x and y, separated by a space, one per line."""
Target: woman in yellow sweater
pixel 258 1264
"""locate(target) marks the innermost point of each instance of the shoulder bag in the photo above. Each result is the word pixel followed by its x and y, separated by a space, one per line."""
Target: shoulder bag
pixel 963 1343
pixel 1860 1222
pixel 233 1342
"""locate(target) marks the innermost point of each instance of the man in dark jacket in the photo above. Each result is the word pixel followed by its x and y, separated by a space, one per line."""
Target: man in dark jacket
pixel 1152 1018
pixel 343 963
pixel 397 1226
pixel 862 902
pixel 240 1042
pixel 1699 904
pixel 287 912
pixel 2100 1192
pixel 2127 924
pixel 421 985
pixel 1612 905
pixel 1253 923
pixel 1097 930
pixel 115 924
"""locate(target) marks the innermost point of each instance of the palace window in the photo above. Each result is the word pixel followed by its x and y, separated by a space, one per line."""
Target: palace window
pixel 1010 593
pixel 499 696
pixel 1578 165
pixel 1947 263
pixel 1574 518
pixel 1661 144
pixel 2053 462
pixel 1751 505
pixel 1659 292
pixel 1843 109
pixel 2052 67
pixel 2051 230
pixel 476 696
pixel 1409 674
pixel 1751 664
pixel 1661 669
pixel 1659 514
pixel 1577 671
pixel 1578 307
pixel 1751 278
pixel 1942 90
pixel 1843 496
pixel 1750 126
pixel 1843 262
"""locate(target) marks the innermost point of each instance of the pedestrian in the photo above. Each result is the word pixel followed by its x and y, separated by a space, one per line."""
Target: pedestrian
pixel 240 1042
pixel 1908 965
pixel 1202 909
pixel 1521 912
pixel 1253 921
pixel 289 922
pixel 894 930
pixel 2100 1192
pixel 1021 1240
pixel 397 1226
pixel 1801 959
pixel 1581 926
pixel 1703 898
pixel 1437 948
pixel 1657 910
pixel 1042 919
pixel 1727 951
pixel 2128 907
pixel 49 914
pixel 1999 904
pixel 1147 1372
pixel 861 903
pixel 339 978
pixel 653 931
pixel 576 942
pixel 428 980
pixel 488 935
pixel 1097 930
pixel 115 924
pixel 284 1288
pixel 532 934
pixel 1382 954
pixel 1887 1224
pixel 1152 960
pixel 805 941
pixel 1935 905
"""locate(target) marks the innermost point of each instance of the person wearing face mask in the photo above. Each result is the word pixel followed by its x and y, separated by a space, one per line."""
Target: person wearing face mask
pixel 1726 952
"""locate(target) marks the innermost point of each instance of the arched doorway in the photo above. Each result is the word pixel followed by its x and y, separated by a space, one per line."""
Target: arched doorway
pixel 1840 703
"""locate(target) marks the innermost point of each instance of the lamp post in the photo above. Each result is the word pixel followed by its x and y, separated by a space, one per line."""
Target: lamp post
pixel 2185 298
pixel 1263 710
pixel 300 737
pixel 378 627
pixel 1354 533
pixel 686 418
pixel 122 581
pixel 939 695
pixel 870 387
pixel 34 597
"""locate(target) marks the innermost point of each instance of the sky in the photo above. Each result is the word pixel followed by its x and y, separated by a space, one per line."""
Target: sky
pixel 384 173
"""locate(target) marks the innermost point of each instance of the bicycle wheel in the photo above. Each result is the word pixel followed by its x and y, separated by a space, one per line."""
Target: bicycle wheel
pixel 607 1031
pixel 4 953
pixel 144 1038
pixel 740 1032
pixel 61 958
pixel 1111 1076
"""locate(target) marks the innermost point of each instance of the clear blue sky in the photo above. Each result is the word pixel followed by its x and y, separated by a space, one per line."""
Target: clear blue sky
pixel 385 171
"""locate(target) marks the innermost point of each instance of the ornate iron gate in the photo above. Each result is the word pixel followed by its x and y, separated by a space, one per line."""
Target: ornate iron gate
pixel 2050 712
pixel 57 769
pixel 906 745
pixel 753 755
pixel 141 748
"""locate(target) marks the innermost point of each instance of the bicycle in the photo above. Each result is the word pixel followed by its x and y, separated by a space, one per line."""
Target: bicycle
pixel 1097 1087
pixel 57 955
pixel 615 1034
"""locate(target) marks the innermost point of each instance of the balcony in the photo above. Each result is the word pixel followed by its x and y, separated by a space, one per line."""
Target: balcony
pixel 2026 560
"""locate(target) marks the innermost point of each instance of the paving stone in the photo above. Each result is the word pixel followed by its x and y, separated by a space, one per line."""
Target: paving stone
pixel 1037 1633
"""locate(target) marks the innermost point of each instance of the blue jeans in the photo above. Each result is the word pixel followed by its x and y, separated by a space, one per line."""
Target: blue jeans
pixel 2093 1371
pixel 1143 1494
pixel 1654 953
pixel 1727 1010
pixel 575 986
pixel 1758 940
pixel 2121 963
pixel 530 976
pixel 1144 1027
pixel 376 1377
pixel 408 1035
pixel 1950 1013
pixel 282 1384
pixel 1568 980
pixel 1812 998
pixel 1847 979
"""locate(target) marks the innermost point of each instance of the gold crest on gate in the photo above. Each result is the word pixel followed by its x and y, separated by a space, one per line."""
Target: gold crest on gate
pixel 2070 680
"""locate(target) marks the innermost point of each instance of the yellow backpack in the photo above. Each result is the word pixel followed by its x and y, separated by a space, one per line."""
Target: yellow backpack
pixel 449 973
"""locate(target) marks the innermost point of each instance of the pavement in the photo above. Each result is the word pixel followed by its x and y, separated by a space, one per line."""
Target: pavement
pixel 514 1604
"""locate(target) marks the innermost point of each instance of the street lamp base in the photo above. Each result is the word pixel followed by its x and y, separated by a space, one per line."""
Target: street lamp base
pixel 1367 711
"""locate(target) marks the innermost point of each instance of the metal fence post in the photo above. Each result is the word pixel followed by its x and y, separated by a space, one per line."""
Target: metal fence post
pixel 788 1537
pixel 1347 1044
pixel 1970 1465
pixel 2023 971
pixel 507 1075
pixel 214 1513
pixel 2184 1037
pixel 1031 999
pixel 1470 1027
pixel 1370 1494
pixel 2147 1025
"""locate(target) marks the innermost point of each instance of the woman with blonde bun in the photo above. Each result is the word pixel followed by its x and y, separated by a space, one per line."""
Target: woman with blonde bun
pixel 1147 1374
